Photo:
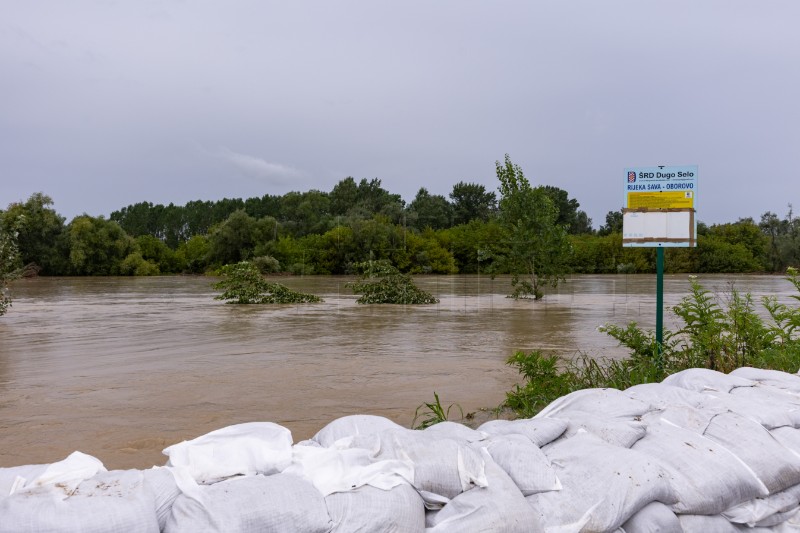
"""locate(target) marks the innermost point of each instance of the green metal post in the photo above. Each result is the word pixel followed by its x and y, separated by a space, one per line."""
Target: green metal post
pixel 660 304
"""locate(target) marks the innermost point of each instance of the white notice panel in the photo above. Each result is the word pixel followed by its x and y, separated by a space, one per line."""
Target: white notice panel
pixel 670 228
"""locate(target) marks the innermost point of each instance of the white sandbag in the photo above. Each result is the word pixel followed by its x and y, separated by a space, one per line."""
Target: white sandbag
pixel 603 485
pixel 455 431
pixel 540 431
pixel 778 519
pixel 774 378
pixel 684 416
pixel 610 403
pixel 607 413
pixel 11 479
pixel 769 406
pixel 443 467
pixel 242 449
pixel 372 510
pixel 791 525
pixel 252 504
pixel 706 476
pixel 61 477
pixel 499 507
pixel 789 437
pixel 109 502
pixel 161 484
pixel 718 524
pixel 615 431
pixel 706 524
pixel 350 426
pixel 760 509
pixel 683 407
pixel 654 517
pixel 333 470
pixel 772 462
pixel 524 463
pixel 704 379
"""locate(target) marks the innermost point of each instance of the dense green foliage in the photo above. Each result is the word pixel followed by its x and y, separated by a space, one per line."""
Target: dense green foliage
pixel 381 283
pixel 9 256
pixel 527 233
pixel 715 335
pixel 40 233
pixel 243 283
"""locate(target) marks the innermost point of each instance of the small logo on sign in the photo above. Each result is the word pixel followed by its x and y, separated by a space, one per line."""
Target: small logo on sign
pixel 631 177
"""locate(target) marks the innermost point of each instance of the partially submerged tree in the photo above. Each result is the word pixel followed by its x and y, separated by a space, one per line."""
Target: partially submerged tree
pixel 381 283
pixel 244 284
pixel 97 246
pixel 9 269
pixel 537 248
pixel 39 232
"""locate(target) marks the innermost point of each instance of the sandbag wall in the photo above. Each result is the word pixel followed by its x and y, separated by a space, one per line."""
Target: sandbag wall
pixel 700 452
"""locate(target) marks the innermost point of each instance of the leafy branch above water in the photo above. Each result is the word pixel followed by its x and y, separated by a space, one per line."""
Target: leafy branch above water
pixel 381 283
pixel 244 284
pixel 9 271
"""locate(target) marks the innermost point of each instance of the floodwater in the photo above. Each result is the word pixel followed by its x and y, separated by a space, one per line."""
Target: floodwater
pixel 120 368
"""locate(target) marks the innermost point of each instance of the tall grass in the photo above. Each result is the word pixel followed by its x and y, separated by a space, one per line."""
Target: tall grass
pixel 718 333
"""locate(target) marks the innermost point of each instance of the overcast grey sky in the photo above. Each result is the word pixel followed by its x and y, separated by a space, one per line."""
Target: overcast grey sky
pixel 108 103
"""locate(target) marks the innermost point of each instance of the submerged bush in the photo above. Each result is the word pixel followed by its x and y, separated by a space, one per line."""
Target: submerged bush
pixel 717 336
pixel 244 284
pixel 381 283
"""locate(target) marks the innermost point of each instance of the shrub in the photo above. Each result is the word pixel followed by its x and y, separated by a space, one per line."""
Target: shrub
pixel 135 265
pixel 381 283
pixel 244 284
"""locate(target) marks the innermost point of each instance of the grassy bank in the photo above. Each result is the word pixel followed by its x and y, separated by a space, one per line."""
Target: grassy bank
pixel 720 332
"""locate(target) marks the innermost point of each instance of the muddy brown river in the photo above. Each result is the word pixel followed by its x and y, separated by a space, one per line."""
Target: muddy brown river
pixel 120 368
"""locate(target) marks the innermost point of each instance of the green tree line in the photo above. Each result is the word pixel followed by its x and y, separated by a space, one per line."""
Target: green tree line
pixel 536 232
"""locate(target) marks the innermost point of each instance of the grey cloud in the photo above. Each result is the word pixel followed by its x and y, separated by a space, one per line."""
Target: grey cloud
pixel 259 168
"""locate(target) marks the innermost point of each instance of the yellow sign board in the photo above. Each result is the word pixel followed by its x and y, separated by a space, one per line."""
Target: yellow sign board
pixel 661 200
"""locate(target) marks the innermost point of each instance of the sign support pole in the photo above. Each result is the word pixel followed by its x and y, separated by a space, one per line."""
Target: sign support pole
pixel 660 306
pixel 659 212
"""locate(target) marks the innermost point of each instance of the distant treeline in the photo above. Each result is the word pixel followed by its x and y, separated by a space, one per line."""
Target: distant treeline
pixel 318 232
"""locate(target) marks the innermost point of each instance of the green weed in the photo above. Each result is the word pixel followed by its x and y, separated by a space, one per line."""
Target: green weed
pixel 720 335
pixel 429 414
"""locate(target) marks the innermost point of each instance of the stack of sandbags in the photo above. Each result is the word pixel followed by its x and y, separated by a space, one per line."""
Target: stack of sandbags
pixel 459 486
pixel 727 443
pixel 700 452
